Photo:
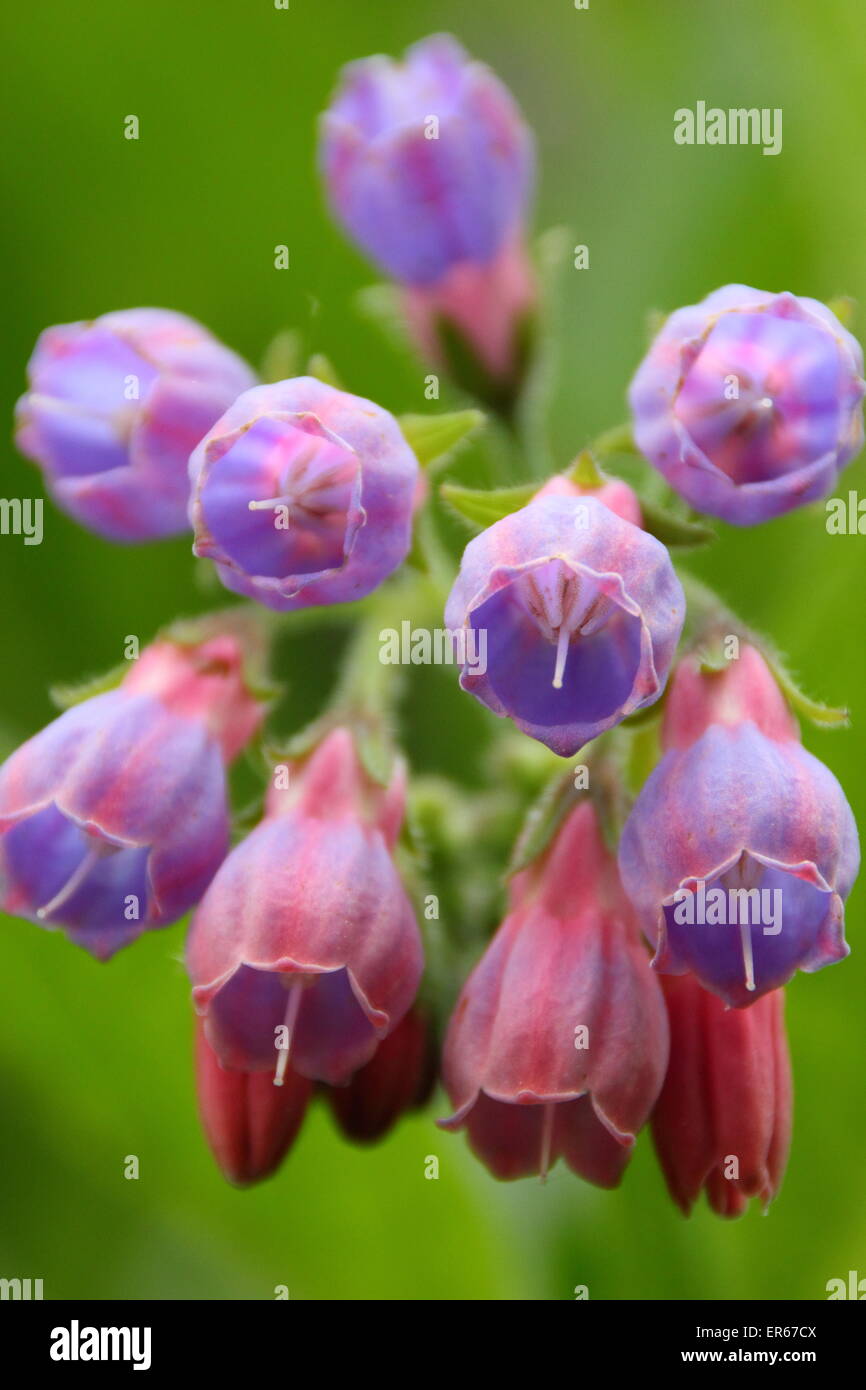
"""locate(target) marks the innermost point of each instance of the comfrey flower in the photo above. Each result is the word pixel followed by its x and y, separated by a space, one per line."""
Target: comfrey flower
pixel 558 1043
pixel 429 166
pixel 305 950
pixel 749 403
pixel 114 410
pixel 114 818
pixel 741 847
pixel 582 610
pixel 303 495
pixel 249 1123
pixel 399 1077
pixel 723 1120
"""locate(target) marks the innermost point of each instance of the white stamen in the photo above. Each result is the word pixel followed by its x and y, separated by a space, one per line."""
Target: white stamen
pixel 72 884
pixel 546 1139
pixel 562 641
pixel 269 502
pixel 748 962
pixel 290 1019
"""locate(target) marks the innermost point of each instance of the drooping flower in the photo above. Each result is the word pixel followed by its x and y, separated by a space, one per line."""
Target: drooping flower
pixel 429 166
pixel 305 950
pixel 303 495
pixel 741 847
pixel 114 409
pixel 249 1123
pixel 723 1120
pixel 114 818
pixel 558 1043
pixel 399 1077
pixel 582 611
pixel 749 403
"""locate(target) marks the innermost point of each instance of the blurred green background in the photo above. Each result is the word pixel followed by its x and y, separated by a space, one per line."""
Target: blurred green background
pixel 94 1061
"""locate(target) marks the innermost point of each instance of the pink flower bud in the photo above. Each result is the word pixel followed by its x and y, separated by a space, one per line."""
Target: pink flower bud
pixel 723 1120
pixel 249 1123
pixel 616 495
pixel 399 1077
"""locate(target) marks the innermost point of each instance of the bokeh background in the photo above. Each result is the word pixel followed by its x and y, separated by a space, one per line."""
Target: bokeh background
pixel 94 1060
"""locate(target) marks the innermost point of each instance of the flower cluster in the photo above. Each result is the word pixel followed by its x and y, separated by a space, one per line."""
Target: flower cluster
pixel 658 903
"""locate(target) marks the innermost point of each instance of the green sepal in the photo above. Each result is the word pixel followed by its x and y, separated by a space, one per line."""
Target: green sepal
pixel 543 819
pixel 66 696
pixel 434 438
pixel 482 506
pixel 676 532
pixel 824 716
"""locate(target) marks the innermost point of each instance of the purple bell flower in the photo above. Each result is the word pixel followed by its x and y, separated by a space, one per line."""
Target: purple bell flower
pixel 114 818
pixel 303 495
pixel 581 613
pixel 114 410
pixel 749 403
pixel 428 163
pixel 741 847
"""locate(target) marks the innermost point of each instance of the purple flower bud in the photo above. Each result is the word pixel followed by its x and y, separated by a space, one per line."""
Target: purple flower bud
pixel 741 847
pixel 723 1120
pixel 114 819
pixel 558 1043
pixel 249 1123
pixel 582 612
pixel 749 403
pixel 115 408
pixel 428 164
pixel 303 495
pixel 305 949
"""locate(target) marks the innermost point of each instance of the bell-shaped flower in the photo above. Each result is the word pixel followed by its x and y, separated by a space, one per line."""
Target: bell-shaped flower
pixel 749 403
pixel 303 495
pixel 558 1043
pixel 114 818
pixel 114 409
pixel 305 950
pixel 741 847
pixel 582 612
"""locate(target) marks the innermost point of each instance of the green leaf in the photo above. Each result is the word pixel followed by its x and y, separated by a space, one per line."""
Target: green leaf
pixel 674 530
pixel 434 438
pixel 482 506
